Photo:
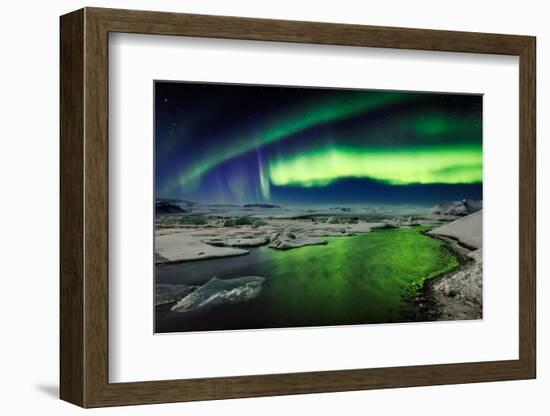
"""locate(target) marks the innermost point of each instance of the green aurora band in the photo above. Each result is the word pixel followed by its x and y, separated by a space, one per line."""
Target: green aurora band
pixel 288 124
pixel 454 164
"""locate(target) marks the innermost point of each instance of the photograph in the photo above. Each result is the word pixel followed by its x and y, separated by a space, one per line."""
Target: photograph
pixel 290 206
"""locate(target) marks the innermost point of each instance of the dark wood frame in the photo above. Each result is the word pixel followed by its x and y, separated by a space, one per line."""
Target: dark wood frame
pixel 84 208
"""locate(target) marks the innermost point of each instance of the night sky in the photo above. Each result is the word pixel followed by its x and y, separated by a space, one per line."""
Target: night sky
pixel 222 143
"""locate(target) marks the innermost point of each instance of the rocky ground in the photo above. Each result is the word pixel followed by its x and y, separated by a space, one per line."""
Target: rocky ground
pixel 458 295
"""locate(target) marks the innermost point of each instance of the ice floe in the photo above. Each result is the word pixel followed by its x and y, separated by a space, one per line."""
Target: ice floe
pixel 221 291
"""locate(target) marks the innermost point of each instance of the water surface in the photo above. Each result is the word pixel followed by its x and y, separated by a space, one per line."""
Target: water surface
pixel 362 279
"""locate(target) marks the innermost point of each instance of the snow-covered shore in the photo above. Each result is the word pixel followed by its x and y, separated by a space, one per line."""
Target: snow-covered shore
pixel 459 294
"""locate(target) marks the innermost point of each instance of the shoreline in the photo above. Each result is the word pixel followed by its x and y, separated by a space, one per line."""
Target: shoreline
pixel 455 294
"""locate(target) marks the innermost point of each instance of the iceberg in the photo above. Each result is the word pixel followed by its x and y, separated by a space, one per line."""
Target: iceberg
pixel 220 291
pixel 166 293
pixel 287 239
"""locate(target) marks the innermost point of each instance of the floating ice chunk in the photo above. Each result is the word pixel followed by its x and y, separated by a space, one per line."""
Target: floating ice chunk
pixel 288 239
pixel 237 241
pixel 166 293
pixel 175 245
pixel 221 291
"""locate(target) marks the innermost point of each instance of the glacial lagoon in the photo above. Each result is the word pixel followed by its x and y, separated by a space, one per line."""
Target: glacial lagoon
pixel 361 279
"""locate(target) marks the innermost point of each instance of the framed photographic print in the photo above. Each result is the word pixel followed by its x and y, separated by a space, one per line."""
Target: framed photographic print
pixel 259 207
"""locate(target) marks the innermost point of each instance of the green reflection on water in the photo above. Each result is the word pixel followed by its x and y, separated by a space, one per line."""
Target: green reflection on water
pixel 359 279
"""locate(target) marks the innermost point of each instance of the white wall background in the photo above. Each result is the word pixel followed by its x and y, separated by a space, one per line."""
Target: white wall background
pixel 29 209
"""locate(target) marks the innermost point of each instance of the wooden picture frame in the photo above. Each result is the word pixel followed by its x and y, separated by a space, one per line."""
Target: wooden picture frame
pixel 84 207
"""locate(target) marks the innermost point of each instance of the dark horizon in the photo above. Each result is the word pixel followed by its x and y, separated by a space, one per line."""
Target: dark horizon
pixel 225 143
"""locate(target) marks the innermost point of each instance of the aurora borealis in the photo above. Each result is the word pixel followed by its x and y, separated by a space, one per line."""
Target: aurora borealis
pixel 224 143
pixel 450 165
